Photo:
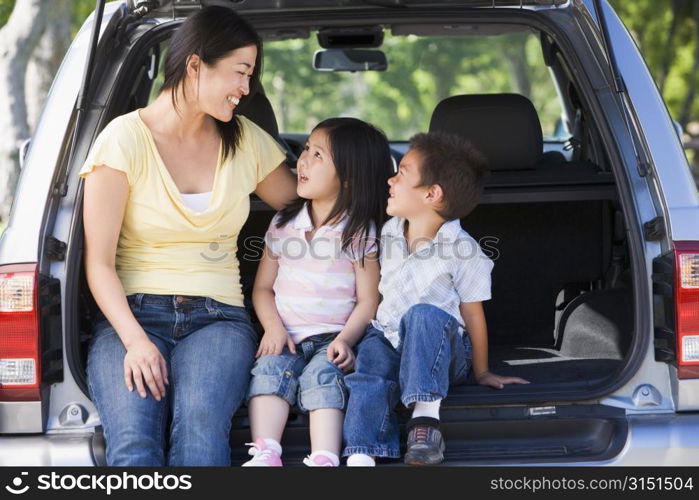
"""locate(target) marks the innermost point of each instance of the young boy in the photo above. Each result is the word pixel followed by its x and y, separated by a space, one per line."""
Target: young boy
pixel 434 277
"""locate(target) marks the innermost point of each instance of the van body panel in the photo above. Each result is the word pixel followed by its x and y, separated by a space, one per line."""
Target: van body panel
pixel 685 392
pixel 651 395
pixel 47 450
pixel 673 182
pixel 23 239
pixel 20 417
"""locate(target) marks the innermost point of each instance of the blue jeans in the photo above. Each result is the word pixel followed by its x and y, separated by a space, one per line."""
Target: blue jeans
pixel 209 348
pixel 432 355
pixel 306 377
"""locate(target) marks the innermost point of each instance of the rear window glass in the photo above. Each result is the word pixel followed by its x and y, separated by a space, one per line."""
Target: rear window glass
pixel 421 72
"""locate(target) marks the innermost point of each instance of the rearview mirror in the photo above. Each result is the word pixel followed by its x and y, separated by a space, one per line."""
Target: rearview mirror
pixel 349 60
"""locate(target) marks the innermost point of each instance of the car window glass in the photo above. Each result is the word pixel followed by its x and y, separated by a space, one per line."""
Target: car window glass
pixel 421 72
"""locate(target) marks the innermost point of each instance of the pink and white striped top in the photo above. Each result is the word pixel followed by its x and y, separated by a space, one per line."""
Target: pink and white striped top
pixel 315 289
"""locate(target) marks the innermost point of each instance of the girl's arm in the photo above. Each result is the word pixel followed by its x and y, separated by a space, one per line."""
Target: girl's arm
pixel 278 189
pixel 106 194
pixel 367 276
pixel 474 319
pixel 275 336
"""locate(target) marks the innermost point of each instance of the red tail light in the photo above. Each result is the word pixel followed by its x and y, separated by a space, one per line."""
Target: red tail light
pixel 20 349
pixel 687 307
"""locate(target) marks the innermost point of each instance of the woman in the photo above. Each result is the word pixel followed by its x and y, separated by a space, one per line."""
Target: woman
pixel 166 194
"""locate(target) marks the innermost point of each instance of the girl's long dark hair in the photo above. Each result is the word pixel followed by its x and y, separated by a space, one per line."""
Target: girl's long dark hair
pixel 212 33
pixel 362 159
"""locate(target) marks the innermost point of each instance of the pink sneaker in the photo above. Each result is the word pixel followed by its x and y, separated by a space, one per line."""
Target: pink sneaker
pixel 320 459
pixel 262 456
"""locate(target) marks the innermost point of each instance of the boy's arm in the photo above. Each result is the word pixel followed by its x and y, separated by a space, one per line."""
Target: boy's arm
pixel 364 311
pixel 275 336
pixel 474 319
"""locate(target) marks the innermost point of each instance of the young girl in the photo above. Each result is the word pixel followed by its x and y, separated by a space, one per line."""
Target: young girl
pixel 317 288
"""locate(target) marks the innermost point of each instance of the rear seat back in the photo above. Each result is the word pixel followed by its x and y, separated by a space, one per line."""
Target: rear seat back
pixel 258 109
pixel 548 224
pixel 497 124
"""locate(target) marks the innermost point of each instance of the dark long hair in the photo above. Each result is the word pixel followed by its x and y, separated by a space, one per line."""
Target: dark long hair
pixel 362 159
pixel 212 33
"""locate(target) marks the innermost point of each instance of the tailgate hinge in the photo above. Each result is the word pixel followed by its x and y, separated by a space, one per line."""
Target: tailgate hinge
pixel 55 249
pixel 654 229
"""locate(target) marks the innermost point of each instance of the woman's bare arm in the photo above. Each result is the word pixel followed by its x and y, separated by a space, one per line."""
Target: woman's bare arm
pixel 278 188
pixel 106 194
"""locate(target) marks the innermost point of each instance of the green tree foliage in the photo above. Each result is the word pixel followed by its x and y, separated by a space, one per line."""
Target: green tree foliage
pixel 81 10
pixel 666 32
pixel 5 10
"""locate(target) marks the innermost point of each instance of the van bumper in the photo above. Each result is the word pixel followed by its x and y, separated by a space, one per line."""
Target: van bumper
pixel 47 450
pixel 653 440
pixel 657 440
pixel 661 440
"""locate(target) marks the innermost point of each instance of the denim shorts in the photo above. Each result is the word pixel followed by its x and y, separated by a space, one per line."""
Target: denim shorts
pixel 306 379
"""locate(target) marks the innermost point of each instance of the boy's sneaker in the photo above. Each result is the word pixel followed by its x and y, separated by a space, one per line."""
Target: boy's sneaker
pixel 425 442
pixel 262 455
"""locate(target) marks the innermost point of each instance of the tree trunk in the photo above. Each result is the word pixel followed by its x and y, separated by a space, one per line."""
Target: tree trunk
pixel 46 59
pixel 18 38
pixel 519 71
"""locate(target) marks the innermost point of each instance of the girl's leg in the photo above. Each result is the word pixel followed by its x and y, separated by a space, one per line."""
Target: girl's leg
pixel 272 392
pixel 323 394
pixel 268 415
pixel 326 430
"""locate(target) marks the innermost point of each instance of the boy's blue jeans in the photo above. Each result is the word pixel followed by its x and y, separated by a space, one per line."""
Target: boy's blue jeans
pixel 431 356
pixel 209 348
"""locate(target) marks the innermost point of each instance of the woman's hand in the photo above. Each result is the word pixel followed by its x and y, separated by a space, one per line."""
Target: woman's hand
pixel 340 353
pixel 273 342
pixel 497 381
pixel 143 362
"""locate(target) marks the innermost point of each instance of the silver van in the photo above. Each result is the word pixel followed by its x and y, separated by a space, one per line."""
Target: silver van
pixel 590 213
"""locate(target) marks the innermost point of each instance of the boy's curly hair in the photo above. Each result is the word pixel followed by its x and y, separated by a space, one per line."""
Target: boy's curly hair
pixel 456 166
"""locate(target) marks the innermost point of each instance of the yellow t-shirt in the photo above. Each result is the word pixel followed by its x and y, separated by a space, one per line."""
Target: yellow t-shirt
pixel 165 247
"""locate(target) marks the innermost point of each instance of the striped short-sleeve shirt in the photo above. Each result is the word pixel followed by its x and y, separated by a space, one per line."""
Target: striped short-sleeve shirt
pixel 315 288
pixel 443 272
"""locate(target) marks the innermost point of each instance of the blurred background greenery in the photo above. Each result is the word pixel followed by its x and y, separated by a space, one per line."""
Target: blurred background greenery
pixel 421 72
pixel 667 32
pixel 425 70
pixel 78 11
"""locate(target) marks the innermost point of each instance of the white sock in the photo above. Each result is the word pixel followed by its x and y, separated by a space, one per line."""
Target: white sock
pixel 273 445
pixel 329 454
pixel 427 409
pixel 360 460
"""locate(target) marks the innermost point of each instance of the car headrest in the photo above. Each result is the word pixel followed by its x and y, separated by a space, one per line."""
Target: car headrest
pixel 505 127
pixel 258 109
